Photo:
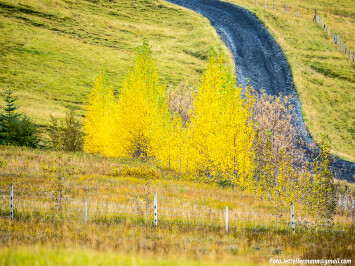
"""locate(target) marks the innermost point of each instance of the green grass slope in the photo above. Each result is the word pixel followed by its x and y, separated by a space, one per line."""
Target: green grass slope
pixel 47 256
pixel 324 77
pixel 51 50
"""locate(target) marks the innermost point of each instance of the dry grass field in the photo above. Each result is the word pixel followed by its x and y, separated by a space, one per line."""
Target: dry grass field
pixel 119 192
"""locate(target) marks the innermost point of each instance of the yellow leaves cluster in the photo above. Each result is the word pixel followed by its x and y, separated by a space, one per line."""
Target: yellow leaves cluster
pixel 216 141
pixel 220 134
pixel 99 117
pixel 132 125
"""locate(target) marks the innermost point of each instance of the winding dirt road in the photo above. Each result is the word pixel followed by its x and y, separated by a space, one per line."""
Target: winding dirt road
pixel 258 58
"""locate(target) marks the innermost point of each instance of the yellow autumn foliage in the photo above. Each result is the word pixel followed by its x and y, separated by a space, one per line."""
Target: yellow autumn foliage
pixel 141 110
pixel 220 134
pixel 99 117
pixel 220 140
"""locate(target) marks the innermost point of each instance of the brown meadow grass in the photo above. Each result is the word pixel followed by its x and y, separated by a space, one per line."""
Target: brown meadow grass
pixel 131 184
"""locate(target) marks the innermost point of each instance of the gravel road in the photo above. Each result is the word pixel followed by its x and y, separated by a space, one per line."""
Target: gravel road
pixel 258 58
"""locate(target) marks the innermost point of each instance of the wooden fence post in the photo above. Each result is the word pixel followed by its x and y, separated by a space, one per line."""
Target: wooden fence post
pixel 273 5
pixel 227 219
pixel 12 202
pixel 293 218
pixel 155 209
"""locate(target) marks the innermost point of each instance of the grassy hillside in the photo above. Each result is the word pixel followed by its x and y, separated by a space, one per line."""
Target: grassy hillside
pixel 324 77
pixel 52 50
pixel 191 223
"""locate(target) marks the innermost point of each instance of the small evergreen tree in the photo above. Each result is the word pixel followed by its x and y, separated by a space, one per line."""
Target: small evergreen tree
pixel 8 116
pixel 15 128
pixel 22 132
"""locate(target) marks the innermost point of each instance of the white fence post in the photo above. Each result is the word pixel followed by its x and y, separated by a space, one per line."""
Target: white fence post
pixel 226 218
pixel 86 211
pixel 345 203
pixel 285 7
pixel 12 202
pixel 273 5
pixel 298 13
pixel 155 209
pixel 265 3
pixel 293 218
pixel 339 203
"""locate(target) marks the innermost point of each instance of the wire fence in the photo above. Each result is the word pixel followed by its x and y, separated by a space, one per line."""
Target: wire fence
pixel 317 18
pixel 338 40
pixel 143 211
